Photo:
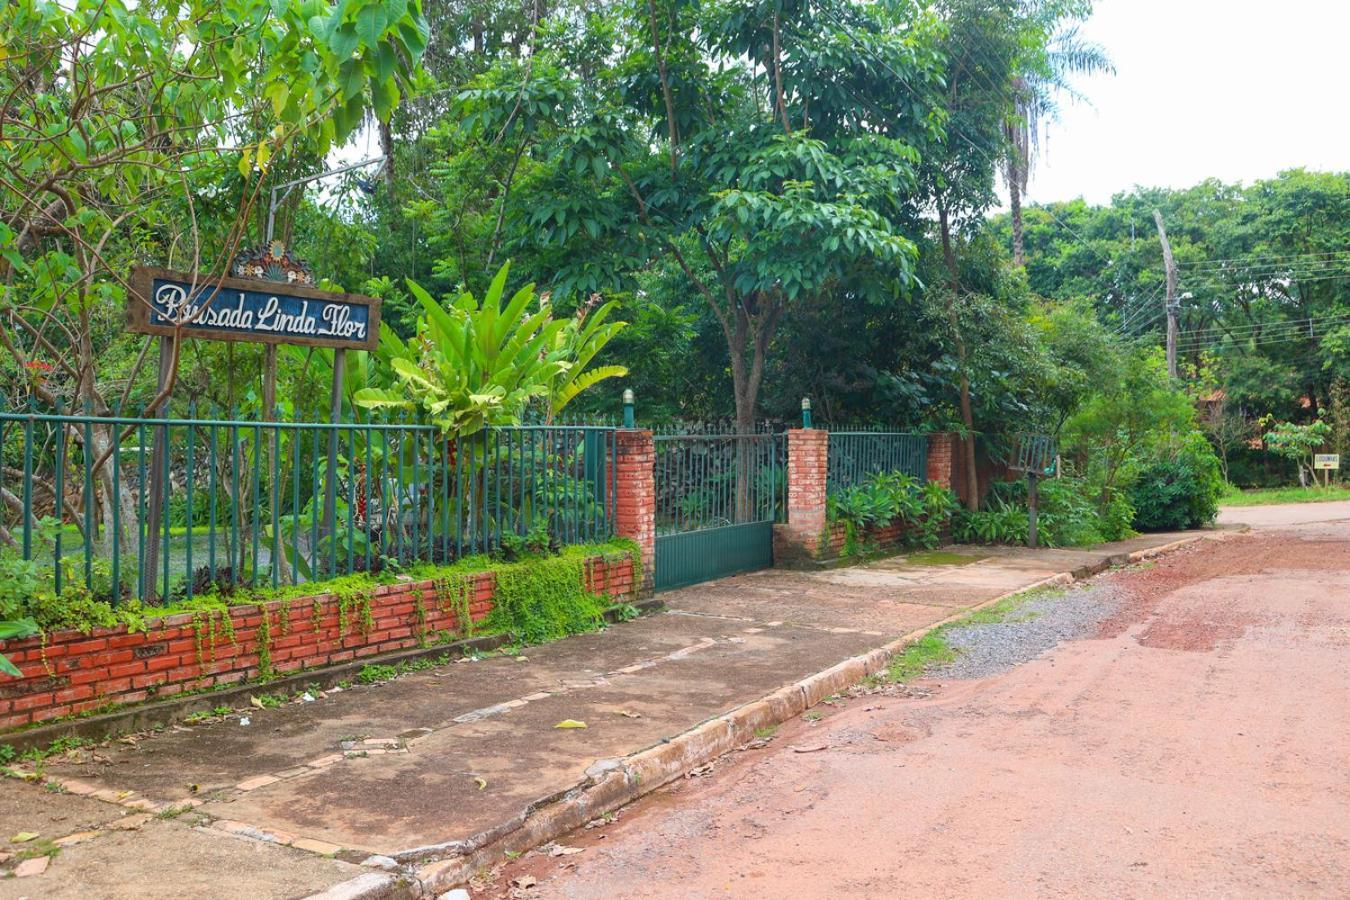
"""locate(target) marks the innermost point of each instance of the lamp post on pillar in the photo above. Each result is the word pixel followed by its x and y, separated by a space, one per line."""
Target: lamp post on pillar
pixel 806 413
pixel 628 408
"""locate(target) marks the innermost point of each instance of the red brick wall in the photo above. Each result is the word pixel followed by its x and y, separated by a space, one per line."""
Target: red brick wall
pixel 74 672
pixel 635 500
pixel 881 536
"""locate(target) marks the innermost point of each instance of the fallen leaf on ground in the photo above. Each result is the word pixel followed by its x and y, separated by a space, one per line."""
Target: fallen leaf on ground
pixel 570 723
pixel 23 837
pixel 560 850
pixel 700 771
pixel 254 701
pixel 629 715
pixel 481 782
pixel 812 749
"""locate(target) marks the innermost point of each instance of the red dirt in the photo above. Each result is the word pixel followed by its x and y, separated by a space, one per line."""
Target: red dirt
pixel 1200 745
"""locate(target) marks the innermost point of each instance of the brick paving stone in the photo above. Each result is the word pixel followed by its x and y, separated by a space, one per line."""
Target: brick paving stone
pixel 253 784
pixel 131 823
pixel 78 837
pixel 35 866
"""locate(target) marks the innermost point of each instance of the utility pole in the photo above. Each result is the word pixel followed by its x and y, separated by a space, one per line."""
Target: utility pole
pixel 1171 301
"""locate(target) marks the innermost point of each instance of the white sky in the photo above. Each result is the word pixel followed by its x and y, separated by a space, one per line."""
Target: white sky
pixel 1232 89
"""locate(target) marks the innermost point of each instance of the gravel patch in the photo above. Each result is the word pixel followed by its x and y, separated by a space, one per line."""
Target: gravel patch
pixel 1029 630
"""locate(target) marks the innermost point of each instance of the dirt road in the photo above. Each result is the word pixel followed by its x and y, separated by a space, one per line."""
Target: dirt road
pixel 1194 740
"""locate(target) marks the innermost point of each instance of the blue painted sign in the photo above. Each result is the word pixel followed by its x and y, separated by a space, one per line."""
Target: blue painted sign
pixel 246 309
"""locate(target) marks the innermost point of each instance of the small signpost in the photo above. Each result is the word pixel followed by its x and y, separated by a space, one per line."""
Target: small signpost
pixel 1034 454
pixel 250 309
pixel 274 303
pixel 1326 462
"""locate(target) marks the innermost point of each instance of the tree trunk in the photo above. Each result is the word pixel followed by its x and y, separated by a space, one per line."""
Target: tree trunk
pixel 967 412
pixel 387 149
pixel 1015 202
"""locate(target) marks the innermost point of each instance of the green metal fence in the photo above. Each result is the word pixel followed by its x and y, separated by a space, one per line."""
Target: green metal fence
pixel 717 497
pixel 258 503
pixel 856 455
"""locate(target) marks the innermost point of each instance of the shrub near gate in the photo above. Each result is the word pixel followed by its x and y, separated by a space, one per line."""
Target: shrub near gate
pixel 887 498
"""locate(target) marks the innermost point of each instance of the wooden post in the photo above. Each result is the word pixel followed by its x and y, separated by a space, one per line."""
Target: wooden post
pixel 158 464
pixel 1033 501
pixel 1171 301
pixel 330 481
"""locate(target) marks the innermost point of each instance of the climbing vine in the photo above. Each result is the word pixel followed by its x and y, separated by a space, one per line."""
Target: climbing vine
pixel 453 598
pixel 355 600
pixel 542 599
pixel 208 626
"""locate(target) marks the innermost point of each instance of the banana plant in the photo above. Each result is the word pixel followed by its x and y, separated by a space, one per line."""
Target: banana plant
pixel 580 339
pixel 478 364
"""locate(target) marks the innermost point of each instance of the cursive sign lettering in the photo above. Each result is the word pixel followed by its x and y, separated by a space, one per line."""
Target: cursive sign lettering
pixel 238 309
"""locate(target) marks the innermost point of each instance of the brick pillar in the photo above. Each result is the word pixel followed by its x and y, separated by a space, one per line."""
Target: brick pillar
pixel 808 466
pixel 635 499
pixel 947 463
pixel 807 471
pixel 941 457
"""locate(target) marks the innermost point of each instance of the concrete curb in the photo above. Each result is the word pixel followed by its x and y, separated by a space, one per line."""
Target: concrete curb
pixel 613 783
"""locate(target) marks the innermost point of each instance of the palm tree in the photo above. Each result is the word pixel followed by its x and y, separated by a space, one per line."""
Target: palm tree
pixel 1035 97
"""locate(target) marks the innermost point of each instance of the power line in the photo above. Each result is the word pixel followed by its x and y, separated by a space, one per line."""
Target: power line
pixel 1258 326
pixel 1302 332
pixel 1284 329
pixel 1256 258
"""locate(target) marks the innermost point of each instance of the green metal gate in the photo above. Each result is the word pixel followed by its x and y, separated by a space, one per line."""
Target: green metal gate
pixel 717 497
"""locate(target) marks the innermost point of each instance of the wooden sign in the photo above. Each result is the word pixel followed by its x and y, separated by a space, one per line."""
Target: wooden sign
pixel 249 309
pixel 1327 461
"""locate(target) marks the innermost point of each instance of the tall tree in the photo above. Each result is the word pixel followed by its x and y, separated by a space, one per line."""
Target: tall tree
pixel 763 147
pixel 1046 70
pixel 144 133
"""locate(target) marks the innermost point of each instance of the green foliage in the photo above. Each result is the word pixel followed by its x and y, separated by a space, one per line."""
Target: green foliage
pixel 373 673
pixel 541 600
pixel 1134 410
pixel 1299 443
pixel 1178 490
pixel 1070 513
pixel 1253 272
pixel 473 365
pixel 891 497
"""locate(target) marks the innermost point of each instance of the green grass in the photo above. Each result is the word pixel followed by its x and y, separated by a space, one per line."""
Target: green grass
pixel 928 651
pixel 1267 496
pixel 933 650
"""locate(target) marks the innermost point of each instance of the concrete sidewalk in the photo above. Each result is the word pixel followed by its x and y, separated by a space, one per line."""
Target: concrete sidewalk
pixel 437 771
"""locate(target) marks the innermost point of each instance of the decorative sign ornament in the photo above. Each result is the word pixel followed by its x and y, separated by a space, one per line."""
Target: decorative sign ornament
pixel 272 262
pixel 252 309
